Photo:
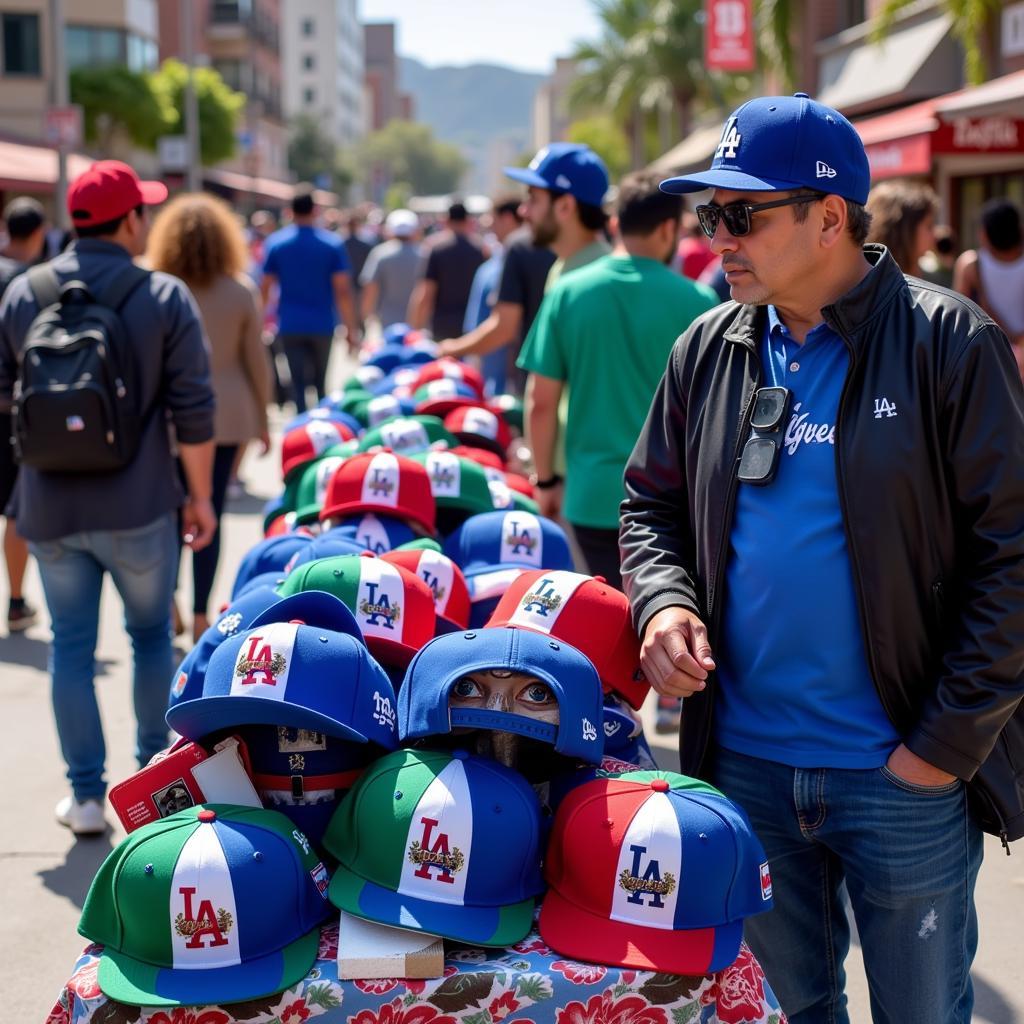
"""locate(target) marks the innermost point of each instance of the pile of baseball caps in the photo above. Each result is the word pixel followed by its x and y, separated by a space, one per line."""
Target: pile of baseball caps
pixel 439 720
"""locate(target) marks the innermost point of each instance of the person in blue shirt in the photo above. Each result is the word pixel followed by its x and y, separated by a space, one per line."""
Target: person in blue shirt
pixel 312 272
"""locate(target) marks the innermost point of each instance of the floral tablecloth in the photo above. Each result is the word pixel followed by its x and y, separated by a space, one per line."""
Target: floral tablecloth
pixel 528 983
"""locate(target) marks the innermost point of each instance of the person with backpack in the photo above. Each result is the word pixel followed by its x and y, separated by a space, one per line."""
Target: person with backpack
pixel 98 358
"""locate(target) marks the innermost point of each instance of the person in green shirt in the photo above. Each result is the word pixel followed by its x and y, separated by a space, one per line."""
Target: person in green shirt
pixel 605 331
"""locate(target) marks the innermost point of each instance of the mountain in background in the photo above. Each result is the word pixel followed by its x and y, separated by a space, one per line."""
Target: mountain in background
pixel 484 109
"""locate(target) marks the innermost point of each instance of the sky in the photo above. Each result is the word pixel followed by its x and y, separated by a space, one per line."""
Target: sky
pixel 526 34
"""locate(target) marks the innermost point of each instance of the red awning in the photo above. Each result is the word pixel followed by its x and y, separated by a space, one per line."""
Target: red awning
pixel 34 168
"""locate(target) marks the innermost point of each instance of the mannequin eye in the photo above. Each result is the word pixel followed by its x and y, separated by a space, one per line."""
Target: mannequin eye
pixel 466 687
pixel 537 693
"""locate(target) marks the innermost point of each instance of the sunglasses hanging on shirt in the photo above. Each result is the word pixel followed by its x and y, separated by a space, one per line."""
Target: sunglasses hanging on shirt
pixel 759 461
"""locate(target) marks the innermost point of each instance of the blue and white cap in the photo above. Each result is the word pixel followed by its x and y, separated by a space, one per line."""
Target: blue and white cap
pixel 290 673
pixel 423 698
pixel 782 143
pixel 270 555
pixel 324 412
pixel 326 545
pixel 372 532
pixel 386 407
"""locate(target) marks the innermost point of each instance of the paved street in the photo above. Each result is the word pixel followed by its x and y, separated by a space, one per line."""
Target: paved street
pixel 47 874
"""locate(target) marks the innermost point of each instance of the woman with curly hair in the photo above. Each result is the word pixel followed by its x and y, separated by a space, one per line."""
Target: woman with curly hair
pixel 197 238
pixel 903 220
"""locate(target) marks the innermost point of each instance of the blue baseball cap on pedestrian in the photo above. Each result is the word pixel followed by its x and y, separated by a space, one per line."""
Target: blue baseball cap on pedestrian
pixel 781 143
pixel 289 673
pixel 566 167
pixel 270 555
pixel 423 709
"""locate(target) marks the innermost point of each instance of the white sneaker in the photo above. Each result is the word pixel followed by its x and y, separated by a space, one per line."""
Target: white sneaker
pixel 84 818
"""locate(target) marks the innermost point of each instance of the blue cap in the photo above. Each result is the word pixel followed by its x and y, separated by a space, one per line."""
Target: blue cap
pixel 399 377
pixel 423 699
pixel 327 545
pixel 324 412
pixel 270 555
pixel 394 334
pixel 491 543
pixel 372 532
pixel 780 143
pixel 290 673
pixel 382 408
pixel 265 579
pixel 566 167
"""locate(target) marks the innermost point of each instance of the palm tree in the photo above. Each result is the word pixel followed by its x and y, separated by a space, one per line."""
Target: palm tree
pixel 970 20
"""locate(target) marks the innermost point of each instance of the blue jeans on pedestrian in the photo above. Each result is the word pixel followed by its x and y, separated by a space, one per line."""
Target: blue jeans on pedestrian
pixel 141 563
pixel 909 856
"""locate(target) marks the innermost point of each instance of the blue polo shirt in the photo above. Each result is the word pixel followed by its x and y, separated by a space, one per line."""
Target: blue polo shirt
pixel 794 680
pixel 304 259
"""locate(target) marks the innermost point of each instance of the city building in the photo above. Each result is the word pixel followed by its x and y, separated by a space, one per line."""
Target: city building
pixel 322 65
pixel 384 99
pixel 551 117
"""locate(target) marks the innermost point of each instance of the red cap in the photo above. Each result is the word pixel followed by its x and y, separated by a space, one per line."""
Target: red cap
pixel 519 483
pixel 586 613
pixel 450 369
pixel 445 579
pixel 301 445
pixel 481 456
pixel 481 427
pixel 108 190
pixel 382 482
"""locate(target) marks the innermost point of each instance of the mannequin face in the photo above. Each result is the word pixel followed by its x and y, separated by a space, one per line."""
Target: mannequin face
pixel 511 692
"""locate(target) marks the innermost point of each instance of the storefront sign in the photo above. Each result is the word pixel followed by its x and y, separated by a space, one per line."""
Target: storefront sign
pixel 900 157
pixel 980 135
pixel 729 35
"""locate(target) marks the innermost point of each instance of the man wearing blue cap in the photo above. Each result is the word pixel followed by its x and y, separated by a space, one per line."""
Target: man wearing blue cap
pixel 822 546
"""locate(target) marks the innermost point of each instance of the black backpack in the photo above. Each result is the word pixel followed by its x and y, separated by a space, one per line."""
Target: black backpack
pixel 77 405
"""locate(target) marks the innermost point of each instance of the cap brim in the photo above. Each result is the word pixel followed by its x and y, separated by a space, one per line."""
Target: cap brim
pixel 581 935
pixel 526 176
pixel 153 192
pixel 485 926
pixel 390 652
pixel 734 181
pixel 197 718
pixel 126 980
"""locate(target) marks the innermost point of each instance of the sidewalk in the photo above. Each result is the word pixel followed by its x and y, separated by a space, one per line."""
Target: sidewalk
pixel 47 874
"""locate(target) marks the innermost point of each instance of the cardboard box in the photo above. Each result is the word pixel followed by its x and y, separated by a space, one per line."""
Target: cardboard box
pixel 186 775
pixel 370 950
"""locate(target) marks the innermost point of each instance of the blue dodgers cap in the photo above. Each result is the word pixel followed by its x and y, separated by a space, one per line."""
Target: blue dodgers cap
pixel 270 555
pixel 423 698
pixel 324 412
pixel 372 532
pixel 779 143
pixel 487 545
pixel 566 167
pixel 327 545
pixel 290 673
pixel 393 357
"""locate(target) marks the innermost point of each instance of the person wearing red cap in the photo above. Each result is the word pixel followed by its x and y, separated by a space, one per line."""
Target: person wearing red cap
pixel 122 520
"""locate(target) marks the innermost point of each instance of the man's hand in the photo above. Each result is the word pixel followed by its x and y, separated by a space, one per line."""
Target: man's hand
pixel 198 522
pixel 448 347
pixel 264 440
pixel 549 501
pixel 676 656
pixel 906 765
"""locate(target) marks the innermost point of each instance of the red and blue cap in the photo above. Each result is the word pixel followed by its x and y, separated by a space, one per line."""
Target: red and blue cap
pixel 440 397
pixel 566 167
pixel 445 843
pixel 781 143
pixel 325 414
pixel 289 673
pixel 214 904
pixel 423 709
pixel 652 870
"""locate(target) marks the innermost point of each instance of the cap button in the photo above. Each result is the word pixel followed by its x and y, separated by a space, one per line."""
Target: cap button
pixel 801 96
pixel 660 785
pixel 296 622
pixel 367 554
pixel 207 815
pixel 601 579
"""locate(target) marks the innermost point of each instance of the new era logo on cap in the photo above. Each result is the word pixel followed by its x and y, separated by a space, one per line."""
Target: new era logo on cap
pixel 822 170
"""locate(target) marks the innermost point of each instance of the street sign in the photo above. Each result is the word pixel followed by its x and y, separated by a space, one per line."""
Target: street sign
pixel 729 35
pixel 62 126
pixel 173 153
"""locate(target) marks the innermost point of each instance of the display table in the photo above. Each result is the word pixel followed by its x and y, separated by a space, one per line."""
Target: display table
pixel 527 983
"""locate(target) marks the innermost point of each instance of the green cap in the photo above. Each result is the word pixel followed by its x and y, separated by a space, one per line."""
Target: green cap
pixel 511 408
pixel 407 435
pixel 312 487
pixel 457 482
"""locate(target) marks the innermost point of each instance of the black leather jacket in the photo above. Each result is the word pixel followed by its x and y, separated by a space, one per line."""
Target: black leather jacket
pixel 933 506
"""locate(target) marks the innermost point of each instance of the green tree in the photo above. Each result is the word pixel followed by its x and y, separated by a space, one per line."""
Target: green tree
pixel 312 153
pixel 116 100
pixel 398 195
pixel 219 107
pixel 409 153
pixel 604 136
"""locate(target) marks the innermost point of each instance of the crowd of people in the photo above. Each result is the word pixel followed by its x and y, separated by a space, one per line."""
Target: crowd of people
pixel 786 422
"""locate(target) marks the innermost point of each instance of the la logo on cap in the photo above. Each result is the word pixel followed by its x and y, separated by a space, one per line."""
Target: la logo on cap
pixel 543 599
pixel 380 484
pixel 435 853
pixel 195 925
pixel 260 663
pixel 729 142
pixel 521 538
pixel 380 591
pixel 264 660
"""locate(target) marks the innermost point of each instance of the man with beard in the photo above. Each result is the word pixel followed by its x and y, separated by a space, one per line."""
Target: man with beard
pixel 606 331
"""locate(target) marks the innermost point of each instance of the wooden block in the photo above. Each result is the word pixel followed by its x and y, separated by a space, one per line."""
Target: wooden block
pixel 370 950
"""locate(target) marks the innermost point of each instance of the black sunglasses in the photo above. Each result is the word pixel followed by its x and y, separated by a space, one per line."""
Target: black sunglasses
pixel 737 215
pixel 760 459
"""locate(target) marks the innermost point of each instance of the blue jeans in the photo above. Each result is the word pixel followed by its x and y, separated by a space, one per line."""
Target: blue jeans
pixel 909 856
pixel 141 563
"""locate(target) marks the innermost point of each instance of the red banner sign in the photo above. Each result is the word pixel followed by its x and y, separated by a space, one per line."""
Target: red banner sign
pixel 729 35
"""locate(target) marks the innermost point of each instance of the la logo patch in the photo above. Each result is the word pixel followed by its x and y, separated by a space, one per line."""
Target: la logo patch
pixel 641 880
pixel 260 663
pixel 729 142
pixel 430 854
pixel 543 600
pixel 379 610
pixel 766 882
pixel 198 925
